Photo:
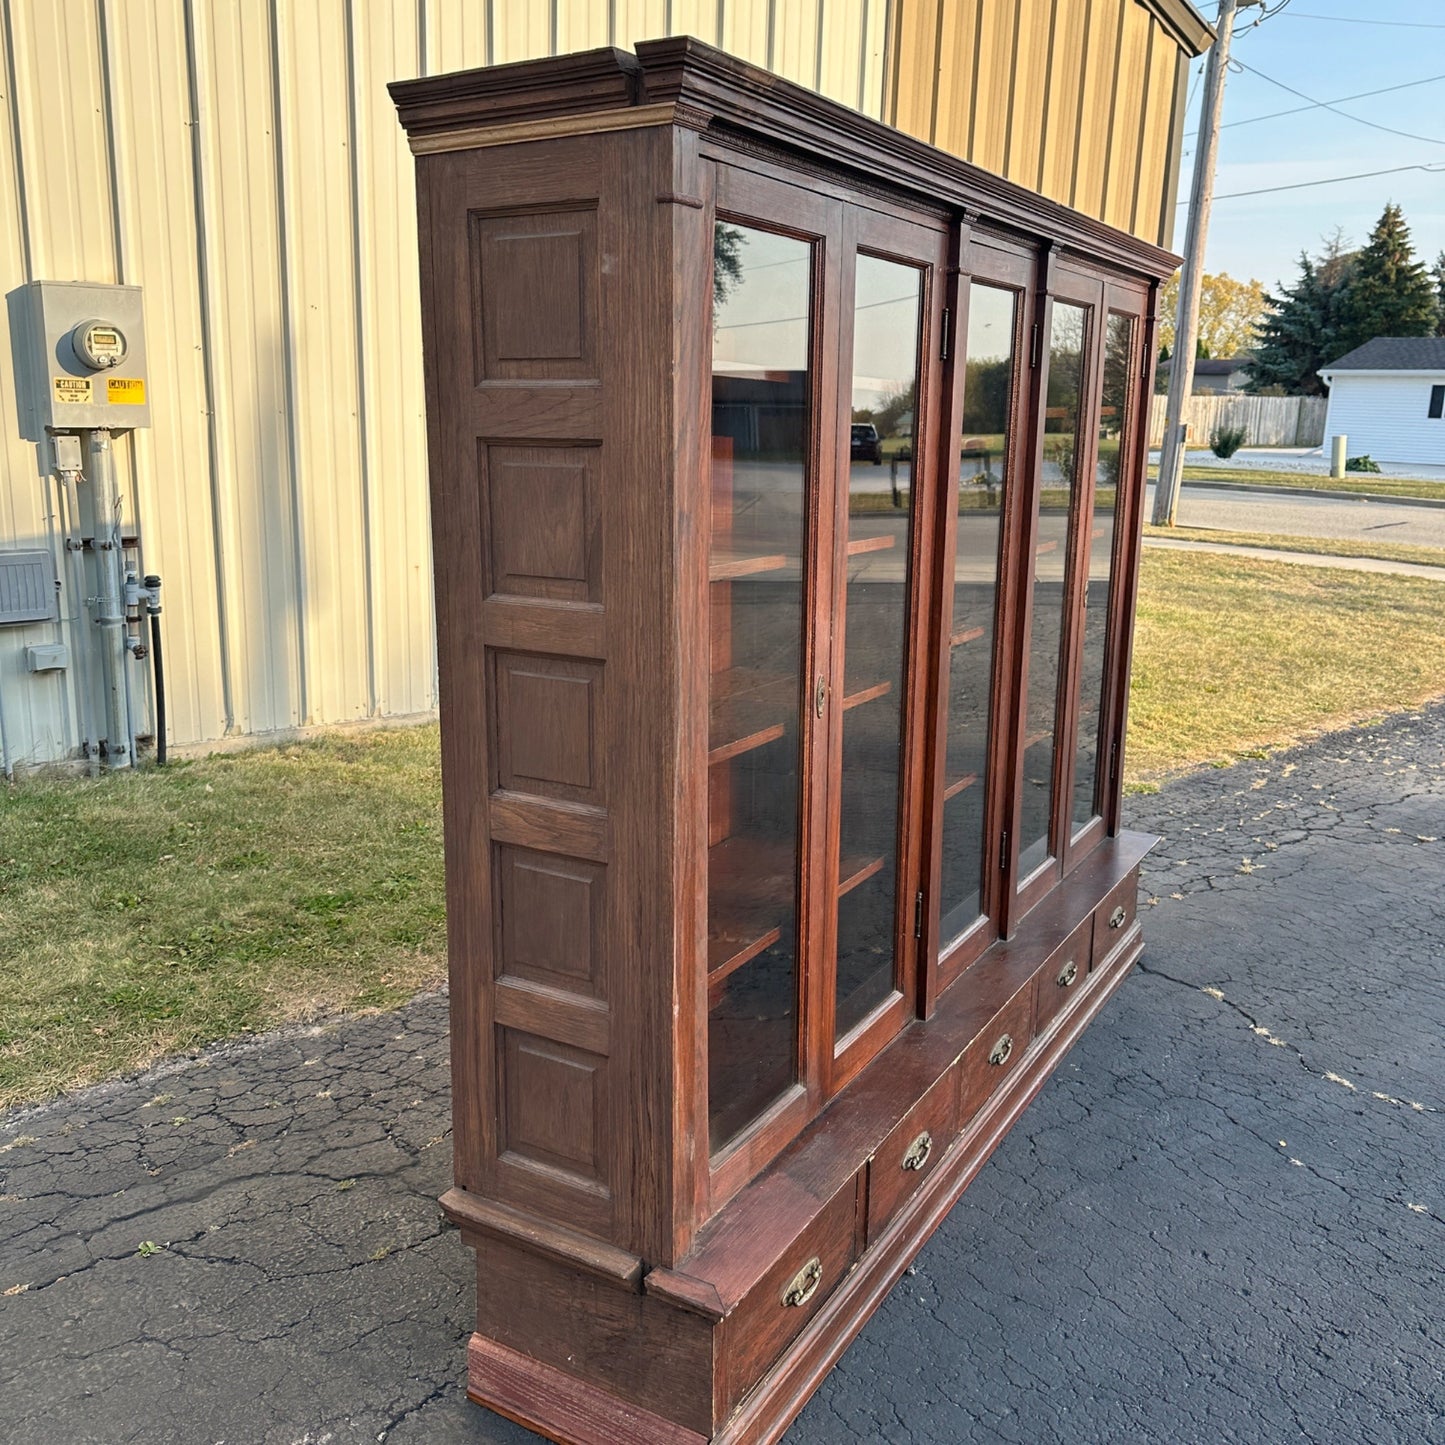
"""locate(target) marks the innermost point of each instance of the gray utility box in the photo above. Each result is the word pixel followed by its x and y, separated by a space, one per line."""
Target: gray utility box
pixel 80 357
pixel 27 588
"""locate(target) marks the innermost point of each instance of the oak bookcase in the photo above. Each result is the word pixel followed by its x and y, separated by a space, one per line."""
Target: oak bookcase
pixel 786 487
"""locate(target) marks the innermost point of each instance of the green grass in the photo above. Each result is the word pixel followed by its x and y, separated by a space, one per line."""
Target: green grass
pixel 144 914
pixel 1235 655
pixel 1361 484
pixel 1326 546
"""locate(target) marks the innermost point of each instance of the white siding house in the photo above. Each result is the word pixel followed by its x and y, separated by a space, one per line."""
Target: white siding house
pixel 1388 398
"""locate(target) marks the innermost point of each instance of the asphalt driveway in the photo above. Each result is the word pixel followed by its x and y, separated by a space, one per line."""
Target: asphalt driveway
pixel 1221 1220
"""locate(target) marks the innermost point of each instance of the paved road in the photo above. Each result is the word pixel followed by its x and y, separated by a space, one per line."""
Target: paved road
pixel 1296 516
pixel 1222 1220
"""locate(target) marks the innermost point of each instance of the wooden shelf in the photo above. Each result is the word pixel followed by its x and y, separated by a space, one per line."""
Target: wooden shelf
pixel 747 709
pixel 750 885
pixel 853 871
pixel 867 694
pixel 965 634
pixel 726 563
pixel 859 545
pixel 739 942
pixel 954 786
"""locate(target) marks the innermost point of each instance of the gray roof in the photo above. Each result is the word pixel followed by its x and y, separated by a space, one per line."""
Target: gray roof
pixel 1394 353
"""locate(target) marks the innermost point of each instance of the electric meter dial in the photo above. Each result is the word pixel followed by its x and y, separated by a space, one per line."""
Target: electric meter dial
pixel 99 344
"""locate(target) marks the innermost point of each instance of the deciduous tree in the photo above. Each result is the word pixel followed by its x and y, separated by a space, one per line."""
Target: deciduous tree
pixel 1229 314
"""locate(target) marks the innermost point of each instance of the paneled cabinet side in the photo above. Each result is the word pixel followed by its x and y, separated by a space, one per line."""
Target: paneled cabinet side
pixel 552 465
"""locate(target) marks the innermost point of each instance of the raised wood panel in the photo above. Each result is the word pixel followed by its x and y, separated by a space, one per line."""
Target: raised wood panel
pixel 550 920
pixel 545 533
pixel 547 716
pixel 553 1105
pixel 534 289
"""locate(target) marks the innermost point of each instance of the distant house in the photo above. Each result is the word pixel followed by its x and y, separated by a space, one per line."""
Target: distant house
pixel 1214 376
pixel 1388 398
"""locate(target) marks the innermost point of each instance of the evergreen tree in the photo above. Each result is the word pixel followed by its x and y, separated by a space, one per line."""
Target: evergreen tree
pixel 1390 293
pixel 1301 328
pixel 1440 294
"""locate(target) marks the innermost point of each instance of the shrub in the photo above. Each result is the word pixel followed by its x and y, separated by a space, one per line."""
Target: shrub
pixel 1365 463
pixel 1224 441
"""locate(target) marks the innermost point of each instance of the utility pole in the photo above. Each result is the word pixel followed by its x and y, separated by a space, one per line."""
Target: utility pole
pixel 1186 320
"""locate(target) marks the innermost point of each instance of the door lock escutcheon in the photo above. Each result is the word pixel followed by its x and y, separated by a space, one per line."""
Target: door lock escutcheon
pixel 820 696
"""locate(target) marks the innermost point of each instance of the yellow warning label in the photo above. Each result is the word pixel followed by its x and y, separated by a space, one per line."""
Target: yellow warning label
pixel 74 390
pixel 125 391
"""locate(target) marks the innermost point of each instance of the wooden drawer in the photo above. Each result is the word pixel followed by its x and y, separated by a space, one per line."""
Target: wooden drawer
pixel 911 1152
pixel 995 1054
pixel 1061 978
pixel 776 1308
pixel 1113 917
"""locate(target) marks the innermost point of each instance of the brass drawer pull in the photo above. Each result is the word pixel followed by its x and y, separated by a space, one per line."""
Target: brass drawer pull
pixel 1000 1052
pixel 805 1283
pixel 1117 917
pixel 1067 974
pixel 918 1151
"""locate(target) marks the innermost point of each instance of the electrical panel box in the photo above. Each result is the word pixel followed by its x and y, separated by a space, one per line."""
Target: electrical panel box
pixel 27 588
pixel 80 357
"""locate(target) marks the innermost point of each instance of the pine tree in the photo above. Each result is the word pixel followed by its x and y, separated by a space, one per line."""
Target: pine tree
pixel 1300 331
pixel 1440 294
pixel 1391 293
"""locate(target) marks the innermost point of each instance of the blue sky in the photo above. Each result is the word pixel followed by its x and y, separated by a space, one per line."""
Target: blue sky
pixel 1321 48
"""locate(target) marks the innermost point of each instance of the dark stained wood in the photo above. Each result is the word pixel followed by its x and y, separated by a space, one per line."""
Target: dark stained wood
pixel 631 1282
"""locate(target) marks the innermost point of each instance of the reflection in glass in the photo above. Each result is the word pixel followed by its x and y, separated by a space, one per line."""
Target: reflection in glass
pixel 1115 417
pixel 983 461
pixel 760 427
pixel 1051 556
pixel 886 321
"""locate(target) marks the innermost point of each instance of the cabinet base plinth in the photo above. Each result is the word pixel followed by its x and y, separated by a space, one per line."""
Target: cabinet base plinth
pixel 560 1406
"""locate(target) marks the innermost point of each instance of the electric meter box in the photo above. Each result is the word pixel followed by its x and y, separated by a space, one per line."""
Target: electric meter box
pixel 80 357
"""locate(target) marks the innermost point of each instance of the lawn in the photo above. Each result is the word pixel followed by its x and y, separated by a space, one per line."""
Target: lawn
pixel 1328 546
pixel 143 915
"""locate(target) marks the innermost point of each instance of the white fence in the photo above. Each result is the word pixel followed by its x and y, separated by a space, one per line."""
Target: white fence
pixel 1268 421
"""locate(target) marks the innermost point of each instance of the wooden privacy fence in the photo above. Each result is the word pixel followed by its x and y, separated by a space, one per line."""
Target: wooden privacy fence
pixel 1268 421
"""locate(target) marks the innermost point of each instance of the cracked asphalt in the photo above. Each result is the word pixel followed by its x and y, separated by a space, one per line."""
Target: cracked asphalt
pixel 1222 1219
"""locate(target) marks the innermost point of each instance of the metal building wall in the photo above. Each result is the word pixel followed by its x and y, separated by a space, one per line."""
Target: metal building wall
pixel 241 161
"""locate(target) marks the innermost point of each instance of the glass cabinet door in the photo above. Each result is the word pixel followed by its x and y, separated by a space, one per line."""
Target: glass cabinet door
pixel 1044 664
pixel 873 617
pixel 981 478
pixel 761 448
pixel 1116 424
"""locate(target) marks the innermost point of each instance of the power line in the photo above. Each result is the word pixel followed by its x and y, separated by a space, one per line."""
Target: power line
pixel 1339 100
pixel 1329 106
pixel 1354 20
pixel 1326 181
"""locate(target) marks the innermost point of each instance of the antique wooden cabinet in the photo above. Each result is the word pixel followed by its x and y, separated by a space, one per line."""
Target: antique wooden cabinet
pixel 786 488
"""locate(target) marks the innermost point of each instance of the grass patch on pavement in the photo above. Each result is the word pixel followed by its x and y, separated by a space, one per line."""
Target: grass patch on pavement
pixel 144 914
pixel 1319 546
pixel 1360 483
pixel 1235 655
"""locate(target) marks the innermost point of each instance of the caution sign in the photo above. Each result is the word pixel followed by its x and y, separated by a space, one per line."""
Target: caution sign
pixel 73 390
pixel 125 391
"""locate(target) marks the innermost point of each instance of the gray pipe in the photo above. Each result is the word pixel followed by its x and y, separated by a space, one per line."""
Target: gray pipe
pixel 5 741
pixel 79 629
pixel 109 608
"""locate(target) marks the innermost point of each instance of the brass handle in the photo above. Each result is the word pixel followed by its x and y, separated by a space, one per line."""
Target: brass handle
pixel 1117 917
pixel 820 696
pixel 918 1151
pixel 1001 1050
pixel 1067 974
pixel 805 1283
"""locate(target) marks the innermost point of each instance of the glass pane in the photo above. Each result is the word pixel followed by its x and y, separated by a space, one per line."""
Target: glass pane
pixel 760 444
pixel 983 460
pixel 886 327
pixel 1051 556
pixel 1115 418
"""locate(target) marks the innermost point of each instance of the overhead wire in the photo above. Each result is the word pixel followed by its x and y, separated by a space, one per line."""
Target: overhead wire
pixel 1330 106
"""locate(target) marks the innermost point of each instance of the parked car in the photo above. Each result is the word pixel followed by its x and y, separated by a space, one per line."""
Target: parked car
pixel 867 446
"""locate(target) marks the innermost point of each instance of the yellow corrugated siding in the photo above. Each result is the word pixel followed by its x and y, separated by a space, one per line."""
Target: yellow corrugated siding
pixel 994 73
pixel 263 198
pixel 1154 209
pixel 1127 117
pixel 1029 67
pixel 1060 139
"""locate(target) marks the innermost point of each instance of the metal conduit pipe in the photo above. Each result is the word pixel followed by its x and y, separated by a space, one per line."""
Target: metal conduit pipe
pixel 110 613
pixel 79 624
pixel 153 611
